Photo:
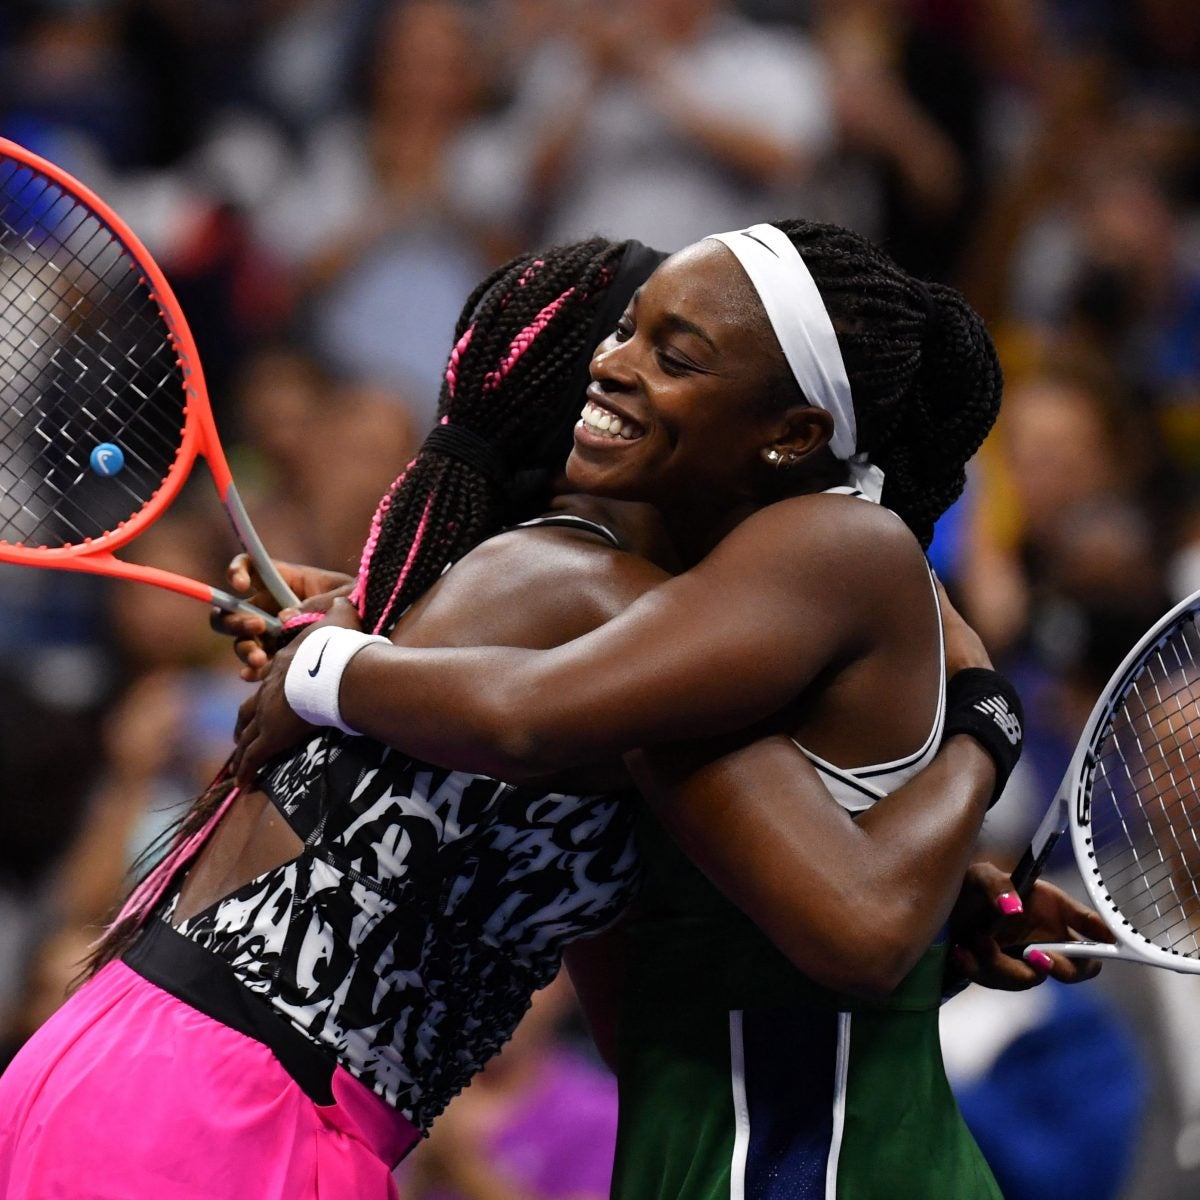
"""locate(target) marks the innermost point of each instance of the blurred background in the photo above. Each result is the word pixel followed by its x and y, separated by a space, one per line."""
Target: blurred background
pixel 323 181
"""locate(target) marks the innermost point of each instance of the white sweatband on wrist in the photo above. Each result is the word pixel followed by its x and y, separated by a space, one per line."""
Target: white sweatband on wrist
pixel 314 677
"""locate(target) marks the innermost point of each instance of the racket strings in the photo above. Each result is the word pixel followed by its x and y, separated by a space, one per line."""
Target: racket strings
pixel 86 358
pixel 1145 794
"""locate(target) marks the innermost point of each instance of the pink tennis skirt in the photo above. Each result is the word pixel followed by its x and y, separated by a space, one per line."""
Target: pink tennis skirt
pixel 128 1093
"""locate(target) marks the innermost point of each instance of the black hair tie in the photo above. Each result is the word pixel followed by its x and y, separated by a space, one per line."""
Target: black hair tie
pixel 983 704
pixel 469 447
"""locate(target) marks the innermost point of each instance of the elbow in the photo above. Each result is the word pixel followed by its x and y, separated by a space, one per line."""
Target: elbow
pixel 867 979
pixel 527 734
pixel 521 746
pixel 521 754
pixel 867 961
pixel 876 979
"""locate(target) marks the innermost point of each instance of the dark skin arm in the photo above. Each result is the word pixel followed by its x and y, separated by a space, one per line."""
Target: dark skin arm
pixel 759 822
pixel 730 642
pixel 865 903
pixel 856 896
pixel 852 901
pixel 531 587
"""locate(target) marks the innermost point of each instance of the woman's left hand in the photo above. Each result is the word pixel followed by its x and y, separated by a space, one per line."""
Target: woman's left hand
pixel 266 724
pixel 990 919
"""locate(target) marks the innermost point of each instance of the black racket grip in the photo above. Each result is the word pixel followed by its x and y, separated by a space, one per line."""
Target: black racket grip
pixel 1025 873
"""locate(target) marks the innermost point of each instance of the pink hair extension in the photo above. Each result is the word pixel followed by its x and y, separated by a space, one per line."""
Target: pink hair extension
pixel 302 619
pixel 460 348
pixel 408 562
pixel 525 339
pixel 358 594
pixel 148 893
pixel 530 271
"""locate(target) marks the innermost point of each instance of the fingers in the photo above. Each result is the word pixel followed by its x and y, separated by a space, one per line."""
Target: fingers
pixel 305 582
pixel 241 573
pixel 255 659
pixel 1065 970
pixel 245 759
pixel 997 885
pixel 246 712
pixel 985 963
pixel 246 763
pixel 1055 916
pixel 1083 920
pixel 237 624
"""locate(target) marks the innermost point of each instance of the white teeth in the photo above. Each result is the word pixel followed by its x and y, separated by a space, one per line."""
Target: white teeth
pixel 600 420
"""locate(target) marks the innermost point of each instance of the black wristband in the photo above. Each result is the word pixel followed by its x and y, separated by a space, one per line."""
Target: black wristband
pixel 985 705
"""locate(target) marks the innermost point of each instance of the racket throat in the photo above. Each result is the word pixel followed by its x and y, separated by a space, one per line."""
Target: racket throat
pixel 248 536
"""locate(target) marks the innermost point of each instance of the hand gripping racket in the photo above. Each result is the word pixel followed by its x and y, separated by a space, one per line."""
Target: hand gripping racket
pixel 1131 799
pixel 103 407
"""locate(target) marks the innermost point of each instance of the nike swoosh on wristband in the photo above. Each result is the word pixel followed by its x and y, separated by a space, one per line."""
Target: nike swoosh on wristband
pixel 312 671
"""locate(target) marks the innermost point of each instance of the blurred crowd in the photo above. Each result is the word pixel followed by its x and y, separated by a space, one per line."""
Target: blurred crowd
pixel 324 181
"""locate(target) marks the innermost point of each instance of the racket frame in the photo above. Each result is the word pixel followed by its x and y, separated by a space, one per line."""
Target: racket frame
pixel 1071 810
pixel 199 440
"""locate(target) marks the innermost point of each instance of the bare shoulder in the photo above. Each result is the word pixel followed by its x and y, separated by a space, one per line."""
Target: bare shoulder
pixel 824 535
pixel 536 587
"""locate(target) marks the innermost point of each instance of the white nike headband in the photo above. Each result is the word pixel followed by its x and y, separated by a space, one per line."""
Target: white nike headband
pixel 806 335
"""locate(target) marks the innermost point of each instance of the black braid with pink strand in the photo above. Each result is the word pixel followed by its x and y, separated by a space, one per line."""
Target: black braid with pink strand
pixel 517 345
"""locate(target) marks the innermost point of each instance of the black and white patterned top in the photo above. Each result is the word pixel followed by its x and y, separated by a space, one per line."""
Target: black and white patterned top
pixel 425 909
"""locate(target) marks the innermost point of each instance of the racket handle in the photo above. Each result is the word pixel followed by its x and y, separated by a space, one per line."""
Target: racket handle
pixel 1025 873
pixel 1052 827
pixel 230 603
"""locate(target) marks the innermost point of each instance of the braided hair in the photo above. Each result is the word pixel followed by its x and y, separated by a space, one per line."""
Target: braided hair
pixel 923 370
pixel 514 379
pixel 512 393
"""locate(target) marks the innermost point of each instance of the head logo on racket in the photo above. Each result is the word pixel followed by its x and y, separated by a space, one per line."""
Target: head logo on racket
pixel 107 459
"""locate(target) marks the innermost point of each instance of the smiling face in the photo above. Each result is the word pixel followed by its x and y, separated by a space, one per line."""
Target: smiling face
pixel 687 393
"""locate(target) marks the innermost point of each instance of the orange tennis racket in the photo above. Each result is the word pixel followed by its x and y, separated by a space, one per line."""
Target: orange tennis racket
pixel 103 407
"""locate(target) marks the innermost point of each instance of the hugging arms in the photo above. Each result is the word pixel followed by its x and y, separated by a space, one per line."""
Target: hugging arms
pixel 852 902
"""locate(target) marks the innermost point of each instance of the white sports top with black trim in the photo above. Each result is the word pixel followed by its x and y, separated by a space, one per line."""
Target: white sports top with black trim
pixel 424 910
pixel 857 788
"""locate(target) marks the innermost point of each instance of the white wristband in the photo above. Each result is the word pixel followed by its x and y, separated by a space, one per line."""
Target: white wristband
pixel 315 675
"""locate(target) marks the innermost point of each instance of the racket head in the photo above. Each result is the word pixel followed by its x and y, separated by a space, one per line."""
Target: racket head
pixel 1133 796
pixel 96 354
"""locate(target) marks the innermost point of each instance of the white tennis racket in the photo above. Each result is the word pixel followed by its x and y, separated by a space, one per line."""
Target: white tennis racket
pixel 1131 799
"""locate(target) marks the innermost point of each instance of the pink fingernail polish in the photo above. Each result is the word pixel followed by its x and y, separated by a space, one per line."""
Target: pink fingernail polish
pixel 1009 903
pixel 1039 960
